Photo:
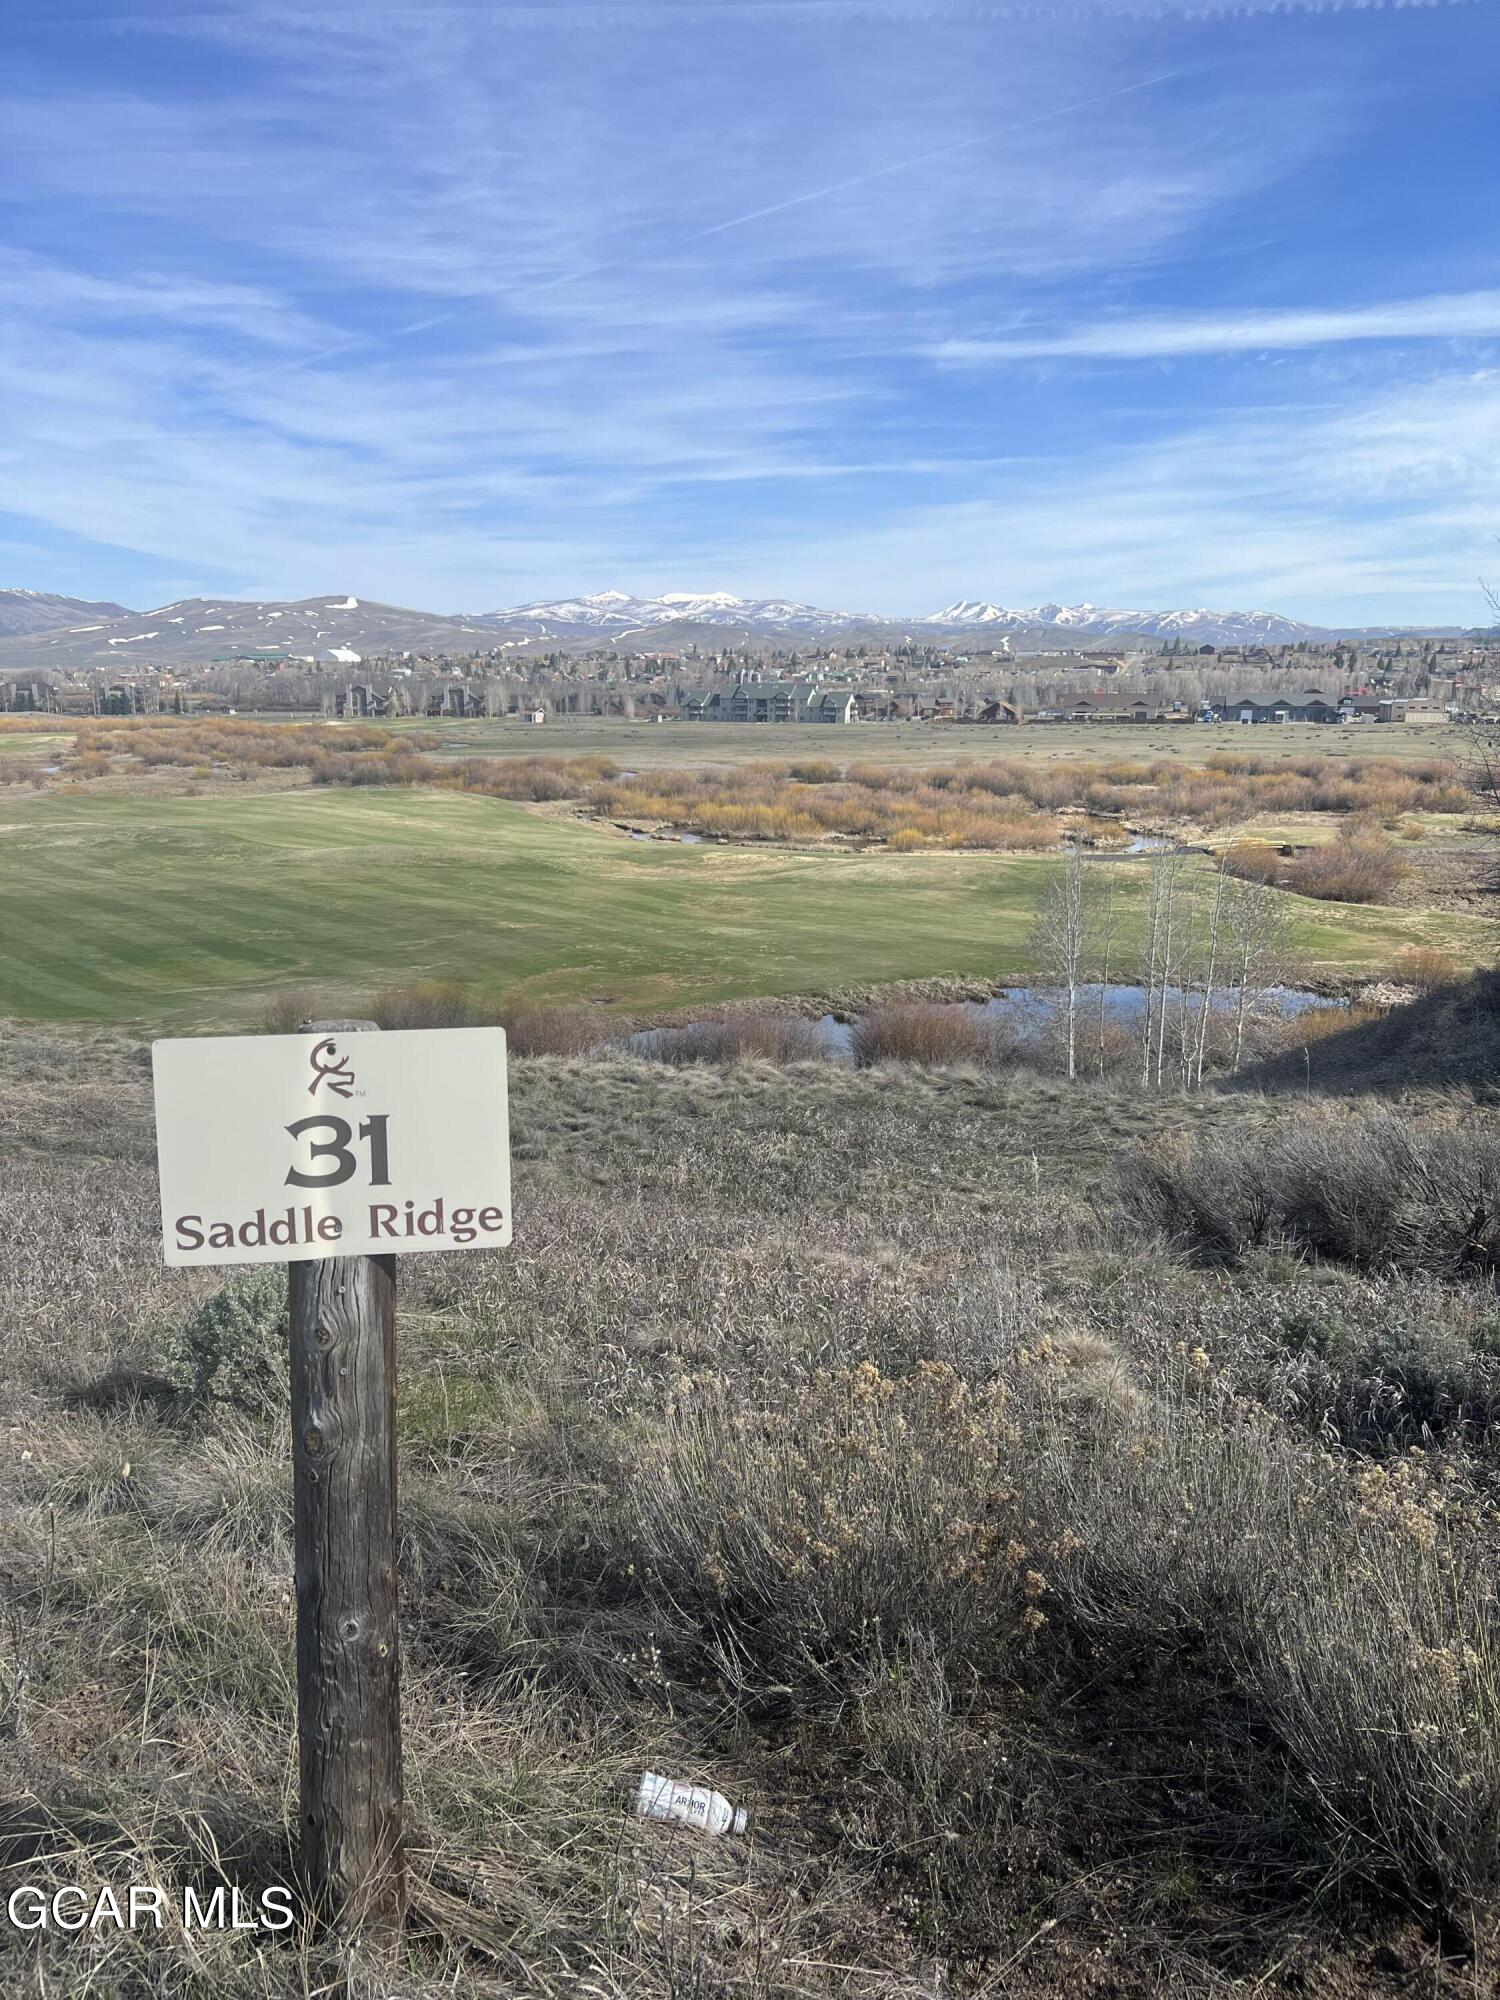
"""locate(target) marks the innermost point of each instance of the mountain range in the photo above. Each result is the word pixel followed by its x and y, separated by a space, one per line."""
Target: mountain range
pixel 26 611
pixel 1216 628
pixel 39 630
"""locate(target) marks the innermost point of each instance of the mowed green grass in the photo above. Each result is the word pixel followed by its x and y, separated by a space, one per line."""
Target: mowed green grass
pixel 193 910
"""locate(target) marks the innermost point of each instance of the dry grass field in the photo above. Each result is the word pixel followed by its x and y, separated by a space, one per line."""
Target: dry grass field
pixel 682 745
pixel 1080 1601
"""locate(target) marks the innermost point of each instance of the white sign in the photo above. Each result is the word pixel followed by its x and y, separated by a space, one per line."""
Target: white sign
pixel 330 1144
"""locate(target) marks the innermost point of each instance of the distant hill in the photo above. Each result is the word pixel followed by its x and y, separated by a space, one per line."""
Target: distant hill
pixel 38 631
pixel 25 611
pixel 337 630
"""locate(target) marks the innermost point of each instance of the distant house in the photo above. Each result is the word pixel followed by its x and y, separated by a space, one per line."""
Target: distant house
pixel 456 701
pixel 1253 709
pixel 28 697
pixel 1315 706
pixel 770 701
pixel 1250 708
pixel 1373 708
pixel 766 701
pixel 123 698
pixel 534 715
pixel 361 701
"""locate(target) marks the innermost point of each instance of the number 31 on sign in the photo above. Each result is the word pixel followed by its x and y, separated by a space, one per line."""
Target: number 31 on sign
pixel 273 1147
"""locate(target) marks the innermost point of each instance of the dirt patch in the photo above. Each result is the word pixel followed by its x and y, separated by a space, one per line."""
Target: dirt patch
pixel 1461 874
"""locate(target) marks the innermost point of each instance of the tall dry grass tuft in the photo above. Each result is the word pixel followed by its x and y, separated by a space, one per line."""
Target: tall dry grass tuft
pixel 1374 1189
pixel 285 1012
pixel 431 1003
pixel 533 1028
pixel 741 1038
pixel 1310 1650
pixel 537 1028
pixel 927 1035
pixel 1425 967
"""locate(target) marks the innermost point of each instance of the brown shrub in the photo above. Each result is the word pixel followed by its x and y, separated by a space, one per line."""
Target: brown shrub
pixel 749 1037
pixel 1252 861
pixel 286 1012
pixel 1377 1190
pixel 1361 866
pixel 537 1029
pixel 929 1035
pixel 432 1003
pixel 1315 1024
pixel 1424 966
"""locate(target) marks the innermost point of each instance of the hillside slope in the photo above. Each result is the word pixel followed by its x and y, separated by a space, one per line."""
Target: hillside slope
pixel 1446 1039
pixel 23 612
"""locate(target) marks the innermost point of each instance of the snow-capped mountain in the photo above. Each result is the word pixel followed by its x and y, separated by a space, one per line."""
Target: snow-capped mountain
pixel 615 611
pixel 38 631
pixel 340 630
pixel 23 611
pixel 1208 628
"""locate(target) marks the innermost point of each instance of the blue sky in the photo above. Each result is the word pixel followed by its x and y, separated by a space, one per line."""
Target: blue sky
pixel 874 303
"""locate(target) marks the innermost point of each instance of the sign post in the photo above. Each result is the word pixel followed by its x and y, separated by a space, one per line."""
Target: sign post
pixel 342 1313
pixel 338 1158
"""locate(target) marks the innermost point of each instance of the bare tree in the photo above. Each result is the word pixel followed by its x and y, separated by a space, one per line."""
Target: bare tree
pixel 1105 926
pixel 1149 972
pixel 1206 1000
pixel 1060 942
pixel 1257 949
pixel 1166 870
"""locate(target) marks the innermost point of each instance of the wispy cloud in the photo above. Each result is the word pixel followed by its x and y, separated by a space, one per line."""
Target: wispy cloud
pixel 461 303
pixel 1233 512
pixel 1168 336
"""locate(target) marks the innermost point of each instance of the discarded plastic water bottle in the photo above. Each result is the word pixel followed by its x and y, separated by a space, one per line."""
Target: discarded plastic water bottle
pixel 694 1805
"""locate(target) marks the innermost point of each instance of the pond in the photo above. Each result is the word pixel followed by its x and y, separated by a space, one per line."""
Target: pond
pixel 1027 1011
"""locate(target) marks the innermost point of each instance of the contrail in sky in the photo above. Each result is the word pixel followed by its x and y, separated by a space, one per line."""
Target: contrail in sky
pixel 773 208
pixel 921 159
pixel 877 173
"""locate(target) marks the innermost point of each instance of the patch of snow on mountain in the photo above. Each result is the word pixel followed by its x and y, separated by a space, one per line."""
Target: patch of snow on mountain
pixel 615 611
pixel 1213 627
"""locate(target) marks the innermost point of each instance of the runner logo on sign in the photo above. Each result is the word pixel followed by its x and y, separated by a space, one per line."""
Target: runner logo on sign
pixel 331 1068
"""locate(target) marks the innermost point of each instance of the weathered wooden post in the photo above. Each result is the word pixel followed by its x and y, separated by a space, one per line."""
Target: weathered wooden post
pixel 343 1378
pixel 334 1160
